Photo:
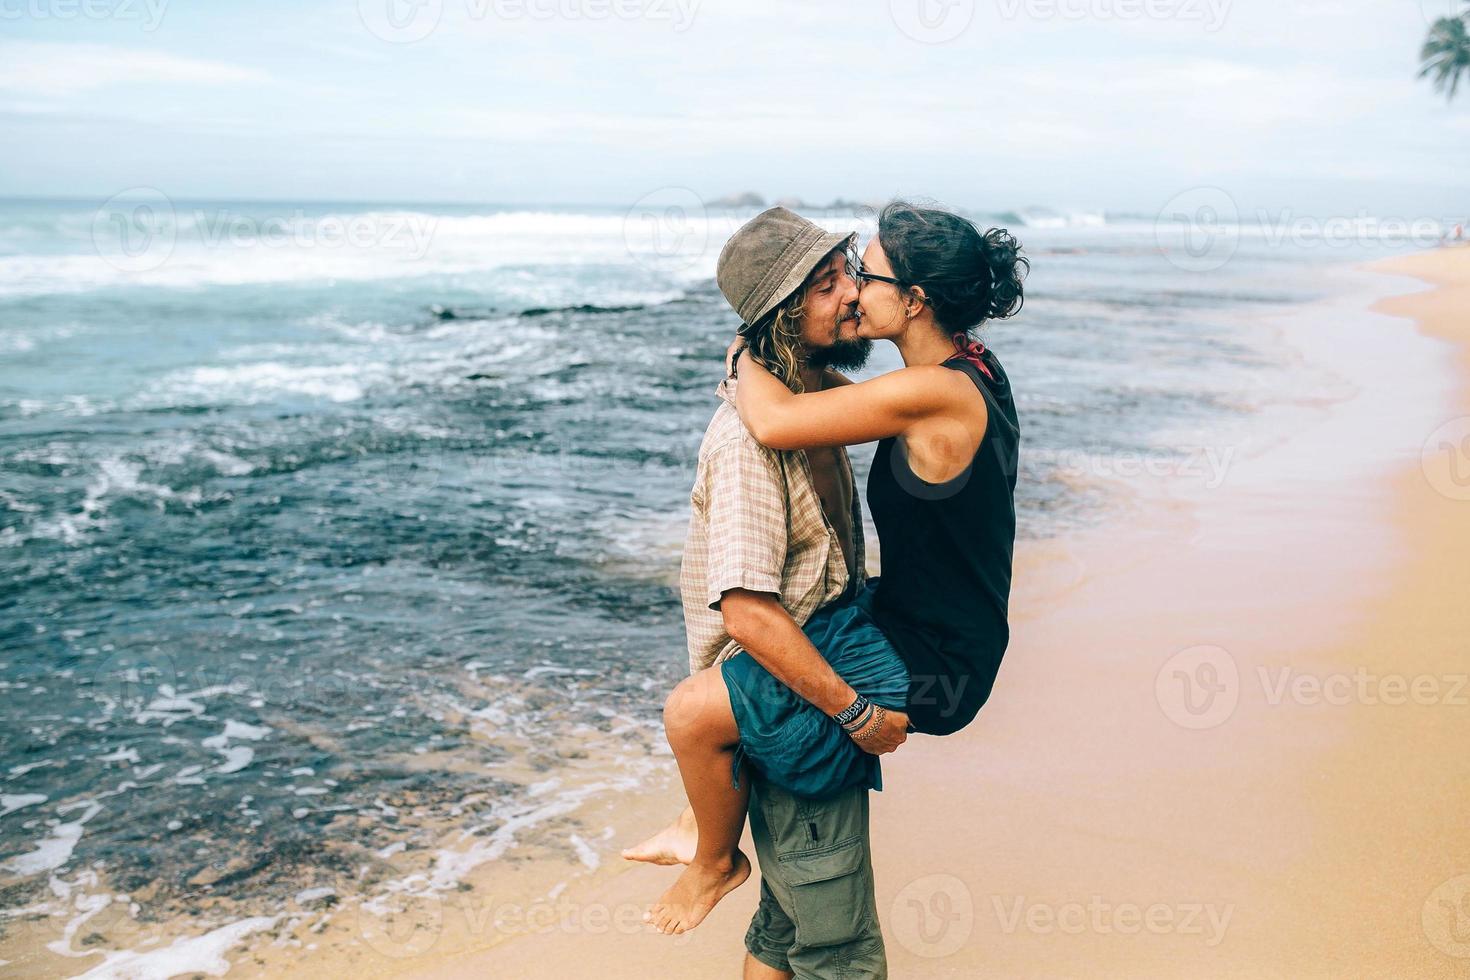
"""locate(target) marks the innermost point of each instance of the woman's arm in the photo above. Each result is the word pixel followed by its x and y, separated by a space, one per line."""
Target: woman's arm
pixel 846 415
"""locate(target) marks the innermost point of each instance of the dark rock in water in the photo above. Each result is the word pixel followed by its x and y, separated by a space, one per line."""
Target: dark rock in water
pixel 582 308
pixel 481 376
pixel 748 199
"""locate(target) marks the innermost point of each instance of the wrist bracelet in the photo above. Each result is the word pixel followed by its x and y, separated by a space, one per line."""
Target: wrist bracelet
pixel 860 722
pixel 878 716
pixel 847 715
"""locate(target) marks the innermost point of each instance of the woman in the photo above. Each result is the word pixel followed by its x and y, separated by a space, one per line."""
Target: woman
pixel 927 637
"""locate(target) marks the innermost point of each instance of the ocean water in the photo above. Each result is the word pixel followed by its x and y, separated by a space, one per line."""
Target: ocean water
pixel 335 535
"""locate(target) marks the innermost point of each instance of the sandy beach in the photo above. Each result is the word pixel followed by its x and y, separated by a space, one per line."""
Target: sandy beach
pixel 1228 739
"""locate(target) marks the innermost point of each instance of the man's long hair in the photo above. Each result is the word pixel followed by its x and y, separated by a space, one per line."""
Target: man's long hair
pixel 775 342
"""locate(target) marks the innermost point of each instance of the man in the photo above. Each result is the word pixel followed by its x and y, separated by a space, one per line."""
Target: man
pixel 773 537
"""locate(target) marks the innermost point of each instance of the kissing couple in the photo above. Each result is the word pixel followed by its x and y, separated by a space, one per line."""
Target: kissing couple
pixel 803 669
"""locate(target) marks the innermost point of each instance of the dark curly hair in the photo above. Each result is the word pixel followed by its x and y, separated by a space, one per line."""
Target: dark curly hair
pixel 968 277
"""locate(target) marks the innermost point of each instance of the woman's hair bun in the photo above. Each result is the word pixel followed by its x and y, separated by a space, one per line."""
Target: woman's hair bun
pixel 968 277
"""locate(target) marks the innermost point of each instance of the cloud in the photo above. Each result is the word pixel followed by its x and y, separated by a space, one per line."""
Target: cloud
pixel 57 69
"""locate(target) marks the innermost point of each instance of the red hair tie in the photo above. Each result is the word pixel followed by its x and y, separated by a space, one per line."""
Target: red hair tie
pixel 970 350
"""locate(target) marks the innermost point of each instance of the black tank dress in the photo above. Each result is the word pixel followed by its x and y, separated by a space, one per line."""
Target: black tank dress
pixel 943 597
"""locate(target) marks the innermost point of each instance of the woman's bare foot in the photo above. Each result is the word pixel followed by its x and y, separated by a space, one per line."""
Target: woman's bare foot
pixel 695 894
pixel 673 845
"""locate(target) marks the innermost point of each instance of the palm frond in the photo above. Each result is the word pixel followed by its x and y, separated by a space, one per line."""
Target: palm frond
pixel 1445 56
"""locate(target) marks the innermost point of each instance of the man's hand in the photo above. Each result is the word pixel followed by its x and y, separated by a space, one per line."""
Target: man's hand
pixel 733 352
pixel 890 735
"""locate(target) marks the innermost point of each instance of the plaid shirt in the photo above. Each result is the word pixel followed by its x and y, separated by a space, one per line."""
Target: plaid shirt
pixel 757 524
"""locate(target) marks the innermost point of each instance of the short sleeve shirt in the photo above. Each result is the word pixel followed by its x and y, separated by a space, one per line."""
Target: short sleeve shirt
pixel 756 523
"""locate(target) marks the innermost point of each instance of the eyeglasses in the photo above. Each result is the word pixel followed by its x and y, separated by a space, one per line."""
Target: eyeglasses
pixel 855 271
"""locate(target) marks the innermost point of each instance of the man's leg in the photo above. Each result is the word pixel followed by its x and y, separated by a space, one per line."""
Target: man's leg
pixel 756 970
pixel 772 933
pixel 816 866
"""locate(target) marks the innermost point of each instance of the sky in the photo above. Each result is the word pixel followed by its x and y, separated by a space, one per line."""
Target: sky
pixel 1307 105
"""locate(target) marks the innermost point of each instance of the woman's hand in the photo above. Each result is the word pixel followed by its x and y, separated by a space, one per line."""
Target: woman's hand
pixel 736 346
pixel 892 732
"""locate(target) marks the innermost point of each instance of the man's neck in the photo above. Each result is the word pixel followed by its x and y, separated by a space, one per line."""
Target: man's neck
pixel 812 378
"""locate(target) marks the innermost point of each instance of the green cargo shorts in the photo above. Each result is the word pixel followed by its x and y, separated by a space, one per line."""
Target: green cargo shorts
pixel 817 916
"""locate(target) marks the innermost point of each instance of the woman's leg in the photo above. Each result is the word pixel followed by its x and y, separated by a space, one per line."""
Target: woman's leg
pixel 702 732
pixel 673 845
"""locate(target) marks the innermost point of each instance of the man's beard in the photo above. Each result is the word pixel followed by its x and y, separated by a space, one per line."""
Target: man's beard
pixel 843 355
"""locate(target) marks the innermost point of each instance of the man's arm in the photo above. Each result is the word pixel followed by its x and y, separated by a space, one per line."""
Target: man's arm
pixel 745 512
pixel 758 623
pixel 766 631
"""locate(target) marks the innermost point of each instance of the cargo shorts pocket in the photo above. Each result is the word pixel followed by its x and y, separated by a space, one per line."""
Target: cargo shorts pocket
pixel 829 893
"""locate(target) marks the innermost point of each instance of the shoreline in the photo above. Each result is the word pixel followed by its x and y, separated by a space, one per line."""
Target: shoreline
pixel 1090 801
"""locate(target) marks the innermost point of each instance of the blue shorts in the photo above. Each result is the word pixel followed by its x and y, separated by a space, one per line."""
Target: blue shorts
pixel 793 743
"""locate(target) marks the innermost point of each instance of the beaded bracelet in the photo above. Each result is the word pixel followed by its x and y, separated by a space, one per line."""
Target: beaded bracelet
pixel 878 716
